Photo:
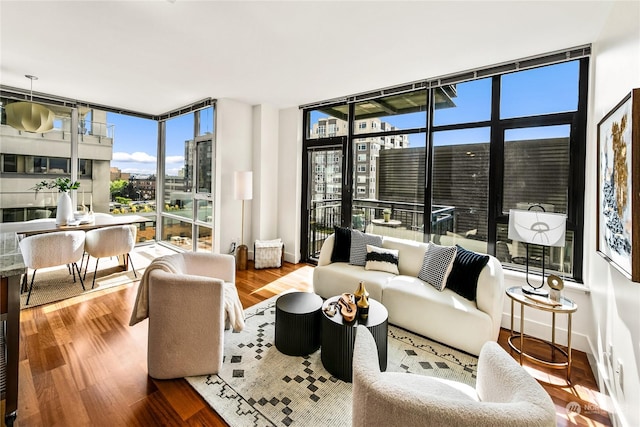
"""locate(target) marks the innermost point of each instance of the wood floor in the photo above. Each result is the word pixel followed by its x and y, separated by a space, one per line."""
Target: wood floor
pixel 82 365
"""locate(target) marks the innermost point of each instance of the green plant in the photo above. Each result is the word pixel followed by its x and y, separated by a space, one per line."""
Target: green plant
pixel 62 184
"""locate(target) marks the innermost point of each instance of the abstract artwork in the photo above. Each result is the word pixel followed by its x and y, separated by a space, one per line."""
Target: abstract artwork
pixel 618 217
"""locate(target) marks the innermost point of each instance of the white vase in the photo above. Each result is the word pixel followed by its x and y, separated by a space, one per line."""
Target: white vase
pixel 64 213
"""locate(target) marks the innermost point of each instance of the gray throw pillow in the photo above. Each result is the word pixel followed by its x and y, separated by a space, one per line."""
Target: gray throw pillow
pixel 437 264
pixel 359 242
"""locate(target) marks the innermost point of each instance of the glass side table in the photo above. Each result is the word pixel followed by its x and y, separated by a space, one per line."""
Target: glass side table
pixel 564 306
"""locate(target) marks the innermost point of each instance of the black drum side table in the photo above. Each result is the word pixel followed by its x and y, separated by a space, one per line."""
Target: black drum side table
pixel 338 338
pixel 297 331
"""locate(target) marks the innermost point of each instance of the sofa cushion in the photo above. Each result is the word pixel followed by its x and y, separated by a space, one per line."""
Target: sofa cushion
pixel 467 266
pixel 359 242
pixel 381 259
pixel 437 264
pixel 410 254
pixel 341 245
pixel 340 277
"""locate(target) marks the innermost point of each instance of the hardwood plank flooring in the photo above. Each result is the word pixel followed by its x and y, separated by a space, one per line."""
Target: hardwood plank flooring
pixel 82 365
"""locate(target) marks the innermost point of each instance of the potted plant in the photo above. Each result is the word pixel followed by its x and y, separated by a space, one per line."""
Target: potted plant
pixel 386 214
pixel 64 211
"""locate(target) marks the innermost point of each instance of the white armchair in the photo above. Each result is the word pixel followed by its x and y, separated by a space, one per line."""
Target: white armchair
pixel 51 250
pixel 110 241
pixel 189 297
pixel 505 394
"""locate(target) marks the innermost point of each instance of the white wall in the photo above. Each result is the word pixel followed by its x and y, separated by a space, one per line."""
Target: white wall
pixel 233 153
pixel 290 181
pixel 615 302
pixel 265 169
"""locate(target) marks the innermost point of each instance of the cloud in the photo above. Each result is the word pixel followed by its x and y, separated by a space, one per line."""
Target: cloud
pixel 141 157
pixel 138 157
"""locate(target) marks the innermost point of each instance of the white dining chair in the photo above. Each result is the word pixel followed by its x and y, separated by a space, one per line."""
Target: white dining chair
pixel 51 250
pixel 110 241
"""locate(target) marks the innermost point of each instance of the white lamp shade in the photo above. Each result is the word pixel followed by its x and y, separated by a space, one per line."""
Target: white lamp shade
pixel 243 185
pixel 30 117
pixel 538 228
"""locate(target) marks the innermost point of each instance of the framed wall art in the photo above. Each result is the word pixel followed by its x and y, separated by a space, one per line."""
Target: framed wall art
pixel 618 200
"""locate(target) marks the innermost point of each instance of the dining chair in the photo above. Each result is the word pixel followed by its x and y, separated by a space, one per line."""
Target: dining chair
pixel 51 250
pixel 110 241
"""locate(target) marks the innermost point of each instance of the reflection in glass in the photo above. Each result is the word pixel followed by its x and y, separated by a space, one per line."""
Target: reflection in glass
pixel 460 195
pixel 177 233
pixel 205 211
pixel 205 239
pixel 206 121
pixel 536 168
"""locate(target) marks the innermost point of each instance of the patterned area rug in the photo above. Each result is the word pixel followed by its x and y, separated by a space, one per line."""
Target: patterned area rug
pixel 259 386
pixel 56 283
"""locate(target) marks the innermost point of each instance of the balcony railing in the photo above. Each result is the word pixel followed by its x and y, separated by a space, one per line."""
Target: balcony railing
pixel 406 220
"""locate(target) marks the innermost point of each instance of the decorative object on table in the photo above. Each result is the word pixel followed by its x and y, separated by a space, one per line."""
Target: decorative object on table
pixel 363 307
pixel 537 227
pixel 618 198
pixel 29 116
pixel 268 253
pixel 386 214
pixel 348 308
pixel 360 291
pixel 64 211
pixel 243 190
pixel 556 285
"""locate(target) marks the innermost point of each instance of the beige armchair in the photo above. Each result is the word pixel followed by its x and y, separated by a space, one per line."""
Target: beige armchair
pixel 187 294
pixel 505 394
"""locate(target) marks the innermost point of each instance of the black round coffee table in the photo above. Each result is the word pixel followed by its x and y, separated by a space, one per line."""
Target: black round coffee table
pixel 338 338
pixel 297 331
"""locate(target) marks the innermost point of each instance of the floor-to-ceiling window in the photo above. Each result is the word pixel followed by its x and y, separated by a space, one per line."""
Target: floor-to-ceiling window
pixel 113 153
pixel 461 152
pixel 188 165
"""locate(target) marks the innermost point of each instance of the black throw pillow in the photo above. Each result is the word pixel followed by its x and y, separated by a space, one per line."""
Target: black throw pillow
pixel 341 244
pixel 463 278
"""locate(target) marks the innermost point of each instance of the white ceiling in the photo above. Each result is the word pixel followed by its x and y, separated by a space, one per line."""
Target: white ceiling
pixel 155 56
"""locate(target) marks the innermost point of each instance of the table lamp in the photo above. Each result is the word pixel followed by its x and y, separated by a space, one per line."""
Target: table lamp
pixel 243 190
pixel 537 228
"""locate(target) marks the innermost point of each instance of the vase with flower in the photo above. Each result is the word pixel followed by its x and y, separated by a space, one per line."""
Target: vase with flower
pixel 64 211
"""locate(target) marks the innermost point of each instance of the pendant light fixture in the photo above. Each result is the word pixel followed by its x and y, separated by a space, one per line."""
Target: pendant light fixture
pixel 27 116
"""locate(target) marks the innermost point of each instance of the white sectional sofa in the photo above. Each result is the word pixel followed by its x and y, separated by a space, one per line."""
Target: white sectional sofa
pixel 415 305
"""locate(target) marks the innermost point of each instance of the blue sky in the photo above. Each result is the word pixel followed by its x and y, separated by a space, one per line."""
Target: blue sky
pixel 537 91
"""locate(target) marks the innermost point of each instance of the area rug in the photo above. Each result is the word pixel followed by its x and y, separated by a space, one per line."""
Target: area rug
pixel 56 283
pixel 259 386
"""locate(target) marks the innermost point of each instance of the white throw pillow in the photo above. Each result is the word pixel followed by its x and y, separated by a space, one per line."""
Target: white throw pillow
pixel 381 259
pixel 437 264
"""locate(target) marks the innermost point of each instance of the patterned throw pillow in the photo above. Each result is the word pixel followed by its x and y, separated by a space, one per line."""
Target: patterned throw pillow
pixel 437 264
pixel 359 242
pixel 381 259
pixel 466 269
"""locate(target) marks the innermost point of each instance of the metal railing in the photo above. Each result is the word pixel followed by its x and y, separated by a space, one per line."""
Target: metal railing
pixel 324 214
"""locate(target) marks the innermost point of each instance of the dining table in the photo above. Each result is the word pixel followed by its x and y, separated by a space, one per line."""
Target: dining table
pixel 11 269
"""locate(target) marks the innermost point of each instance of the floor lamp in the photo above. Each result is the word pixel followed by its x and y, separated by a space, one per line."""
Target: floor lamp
pixel 243 190
pixel 537 228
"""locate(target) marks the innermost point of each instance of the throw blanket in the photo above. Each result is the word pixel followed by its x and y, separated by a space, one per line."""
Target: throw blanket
pixel 232 306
